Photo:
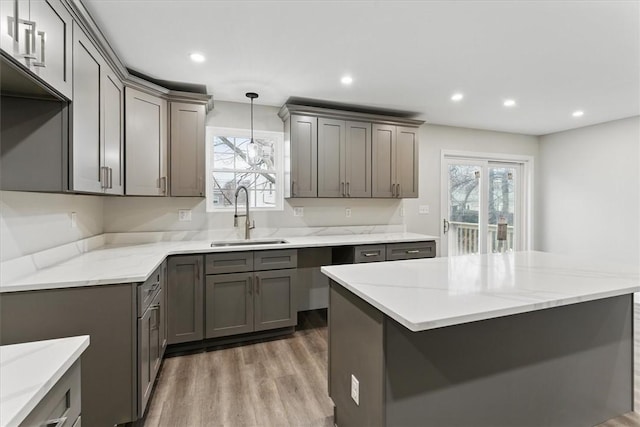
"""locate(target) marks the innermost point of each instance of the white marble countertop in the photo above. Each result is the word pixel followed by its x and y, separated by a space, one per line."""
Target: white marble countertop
pixel 135 263
pixel 28 371
pixel 431 293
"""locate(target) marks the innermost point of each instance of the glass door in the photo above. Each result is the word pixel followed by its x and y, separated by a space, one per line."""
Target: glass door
pixel 482 205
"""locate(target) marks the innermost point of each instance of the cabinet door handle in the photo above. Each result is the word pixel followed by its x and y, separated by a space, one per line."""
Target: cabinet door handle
pixel 257 285
pixel 413 251
pixel 293 188
pixel 43 36
pixel 110 170
pixel 370 254
pixel 348 189
pixel 342 186
pixel 163 185
pixel 398 191
pixel 393 190
pixel 29 40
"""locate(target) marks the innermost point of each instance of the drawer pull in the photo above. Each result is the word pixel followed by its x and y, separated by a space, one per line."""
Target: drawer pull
pixel 153 288
pixel 56 422
pixel 413 251
pixel 369 254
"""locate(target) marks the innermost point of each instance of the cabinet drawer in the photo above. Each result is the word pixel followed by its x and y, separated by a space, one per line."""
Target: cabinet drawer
pixel 229 262
pixel 275 260
pixel 148 289
pixel 61 406
pixel 399 251
pixel 368 253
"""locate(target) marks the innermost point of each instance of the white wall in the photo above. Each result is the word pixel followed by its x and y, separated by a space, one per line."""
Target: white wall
pixel 161 214
pixel 434 139
pixel 31 222
pixel 589 191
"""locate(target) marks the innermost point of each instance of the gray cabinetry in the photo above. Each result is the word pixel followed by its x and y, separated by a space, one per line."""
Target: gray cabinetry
pixel 301 138
pixel 229 304
pixel 399 251
pixel 395 161
pixel 344 158
pixel 146 144
pixel 187 149
pixel 37 34
pixel 185 304
pixel 383 252
pixel 240 301
pixel 61 406
pixel 98 122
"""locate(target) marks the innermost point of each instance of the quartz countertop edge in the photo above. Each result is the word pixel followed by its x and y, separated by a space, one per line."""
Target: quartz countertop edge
pixel 28 371
pixel 121 264
pixel 399 302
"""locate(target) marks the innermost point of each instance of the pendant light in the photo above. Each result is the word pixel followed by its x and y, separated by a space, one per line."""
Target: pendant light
pixel 254 153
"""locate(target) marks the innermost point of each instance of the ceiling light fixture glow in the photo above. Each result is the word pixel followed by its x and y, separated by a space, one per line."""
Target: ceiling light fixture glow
pixel 509 103
pixel 457 97
pixel 197 57
pixel 346 80
pixel 578 113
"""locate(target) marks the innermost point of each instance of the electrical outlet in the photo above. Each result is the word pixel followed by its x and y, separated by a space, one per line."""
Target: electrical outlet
pixel 299 211
pixel 423 209
pixel 347 212
pixel 355 389
pixel 74 220
pixel 402 211
pixel 184 214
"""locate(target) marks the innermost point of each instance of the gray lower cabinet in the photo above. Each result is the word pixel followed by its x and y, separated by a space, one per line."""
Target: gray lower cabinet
pixel 383 252
pixel 185 293
pixel 187 149
pixel 275 304
pixel 228 304
pixel 61 406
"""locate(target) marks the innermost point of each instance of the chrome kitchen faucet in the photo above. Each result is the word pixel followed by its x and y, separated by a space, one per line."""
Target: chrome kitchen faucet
pixel 247 224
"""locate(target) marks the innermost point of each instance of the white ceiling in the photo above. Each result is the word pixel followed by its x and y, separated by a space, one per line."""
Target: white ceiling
pixel 552 57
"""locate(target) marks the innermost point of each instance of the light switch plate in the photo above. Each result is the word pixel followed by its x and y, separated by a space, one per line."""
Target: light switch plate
pixel 347 212
pixel 184 214
pixel 298 211
pixel 423 209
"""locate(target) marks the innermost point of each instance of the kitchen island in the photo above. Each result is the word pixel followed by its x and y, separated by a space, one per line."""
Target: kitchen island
pixel 519 339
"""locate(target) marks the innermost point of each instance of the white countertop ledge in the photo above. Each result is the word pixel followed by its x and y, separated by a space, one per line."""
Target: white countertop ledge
pixel 431 293
pixel 28 371
pixel 135 263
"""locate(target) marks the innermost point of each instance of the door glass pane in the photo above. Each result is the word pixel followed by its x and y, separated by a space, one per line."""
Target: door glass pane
pixel 500 230
pixel 464 209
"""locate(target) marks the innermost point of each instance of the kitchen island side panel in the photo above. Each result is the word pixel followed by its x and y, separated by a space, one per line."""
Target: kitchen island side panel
pixel 355 348
pixel 563 366
pixel 108 315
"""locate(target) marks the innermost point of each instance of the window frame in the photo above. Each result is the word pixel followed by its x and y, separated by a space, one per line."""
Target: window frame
pixel 278 137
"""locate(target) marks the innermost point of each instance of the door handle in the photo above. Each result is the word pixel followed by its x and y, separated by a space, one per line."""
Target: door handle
pixel 342 185
pixel 413 251
pixel 393 190
pixel 348 189
pixel 43 36
pixel 398 191
pixel 293 188
pixel 445 225
pixel 110 177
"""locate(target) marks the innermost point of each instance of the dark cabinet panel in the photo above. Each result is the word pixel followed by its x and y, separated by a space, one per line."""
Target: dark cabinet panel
pixel 185 299
pixel 229 304
pixel 304 156
pixel 275 302
pixel 187 149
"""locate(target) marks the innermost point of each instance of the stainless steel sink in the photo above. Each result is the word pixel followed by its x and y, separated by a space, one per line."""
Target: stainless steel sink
pixel 247 243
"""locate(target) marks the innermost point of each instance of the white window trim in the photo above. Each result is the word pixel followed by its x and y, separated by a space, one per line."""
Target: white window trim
pixel 212 131
pixel 527 162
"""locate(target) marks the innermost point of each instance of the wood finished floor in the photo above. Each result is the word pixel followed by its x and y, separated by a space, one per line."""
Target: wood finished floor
pixel 274 383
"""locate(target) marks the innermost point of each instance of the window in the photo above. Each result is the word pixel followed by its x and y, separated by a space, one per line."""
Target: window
pixel 227 168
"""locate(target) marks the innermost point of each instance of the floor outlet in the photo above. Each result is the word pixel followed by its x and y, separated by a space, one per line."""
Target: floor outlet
pixel 298 211
pixel 355 389
pixel 347 212
pixel 184 214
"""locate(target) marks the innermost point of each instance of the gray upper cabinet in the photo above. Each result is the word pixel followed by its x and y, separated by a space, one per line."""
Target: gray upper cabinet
pixel 86 165
pixel 301 135
pixel 185 299
pixel 187 149
pixel 359 154
pixel 395 161
pixel 113 133
pixel 407 162
pixel 97 140
pixel 331 158
pixel 146 144
pixel 37 34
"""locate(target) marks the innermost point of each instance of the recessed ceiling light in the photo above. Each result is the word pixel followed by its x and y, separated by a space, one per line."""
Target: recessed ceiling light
pixel 346 80
pixel 578 113
pixel 457 97
pixel 197 57
pixel 509 103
